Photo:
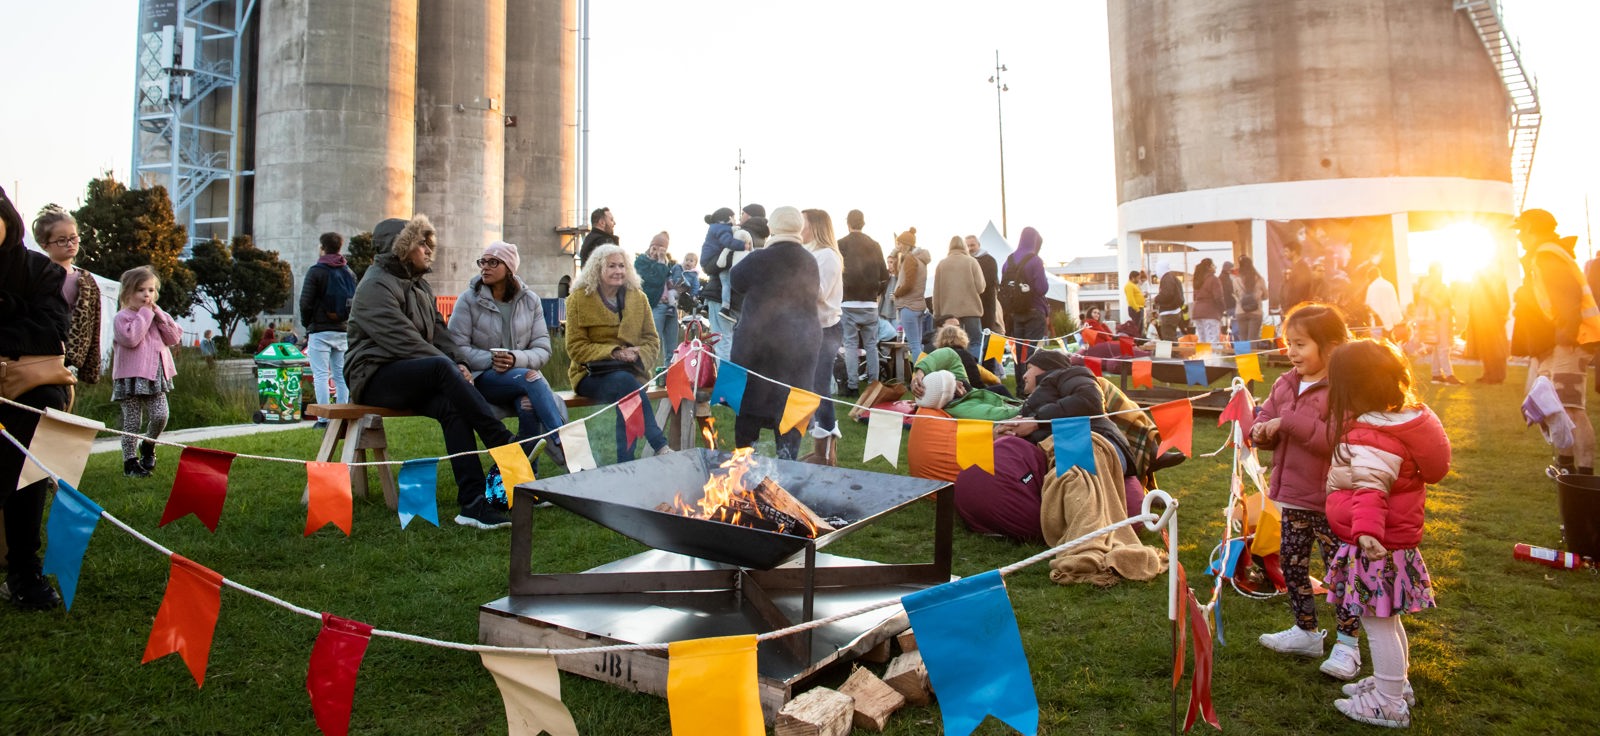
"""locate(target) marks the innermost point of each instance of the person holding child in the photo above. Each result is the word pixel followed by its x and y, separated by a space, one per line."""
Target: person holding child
pixel 141 366
pixel 1389 446
pixel 1293 423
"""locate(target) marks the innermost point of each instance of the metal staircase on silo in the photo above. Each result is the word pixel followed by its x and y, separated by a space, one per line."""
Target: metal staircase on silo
pixel 1522 91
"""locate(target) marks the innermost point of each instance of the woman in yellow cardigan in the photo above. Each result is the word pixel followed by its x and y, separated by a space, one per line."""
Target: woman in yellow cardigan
pixel 612 341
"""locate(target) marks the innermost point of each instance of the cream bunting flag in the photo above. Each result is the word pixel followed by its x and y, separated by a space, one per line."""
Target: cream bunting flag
pixel 883 436
pixel 531 689
pixel 575 443
pixel 62 442
pixel 1163 349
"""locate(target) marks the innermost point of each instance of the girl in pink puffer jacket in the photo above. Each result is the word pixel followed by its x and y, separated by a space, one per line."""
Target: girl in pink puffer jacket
pixel 142 368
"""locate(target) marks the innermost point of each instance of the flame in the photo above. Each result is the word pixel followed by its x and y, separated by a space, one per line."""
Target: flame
pixel 709 431
pixel 725 498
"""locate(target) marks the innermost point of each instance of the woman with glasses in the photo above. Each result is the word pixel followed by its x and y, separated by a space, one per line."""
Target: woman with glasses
pixel 56 232
pixel 499 325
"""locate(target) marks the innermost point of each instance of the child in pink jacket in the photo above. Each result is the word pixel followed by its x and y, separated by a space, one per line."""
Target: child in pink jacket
pixel 142 368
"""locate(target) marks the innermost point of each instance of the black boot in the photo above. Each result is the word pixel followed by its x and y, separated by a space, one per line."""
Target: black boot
pixel 133 469
pixel 147 457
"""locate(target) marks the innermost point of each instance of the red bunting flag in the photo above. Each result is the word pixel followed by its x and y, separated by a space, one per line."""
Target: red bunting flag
pixel 1093 364
pixel 327 496
pixel 1127 345
pixel 331 680
pixel 187 618
pixel 1200 683
pixel 1239 410
pixel 1090 338
pixel 633 417
pixel 1180 628
pixel 1175 420
pixel 1141 373
pixel 200 486
pixel 679 389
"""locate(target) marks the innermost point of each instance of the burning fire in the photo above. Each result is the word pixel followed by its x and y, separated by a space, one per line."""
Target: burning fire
pixel 708 430
pixel 764 505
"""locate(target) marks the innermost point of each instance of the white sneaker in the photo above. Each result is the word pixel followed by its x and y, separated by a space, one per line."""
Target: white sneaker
pixel 1366 684
pixel 1343 662
pixel 1371 708
pixel 1294 640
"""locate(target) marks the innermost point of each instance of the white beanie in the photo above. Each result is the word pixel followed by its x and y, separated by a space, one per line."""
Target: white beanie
pixel 506 252
pixel 938 388
pixel 785 224
pixel 1162 267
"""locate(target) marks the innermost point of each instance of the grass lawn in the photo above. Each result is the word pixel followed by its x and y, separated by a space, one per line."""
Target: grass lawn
pixel 1514 647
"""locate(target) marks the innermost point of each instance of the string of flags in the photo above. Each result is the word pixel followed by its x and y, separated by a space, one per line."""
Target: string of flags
pixel 963 670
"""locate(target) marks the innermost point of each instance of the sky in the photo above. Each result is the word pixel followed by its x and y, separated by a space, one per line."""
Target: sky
pixel 879 106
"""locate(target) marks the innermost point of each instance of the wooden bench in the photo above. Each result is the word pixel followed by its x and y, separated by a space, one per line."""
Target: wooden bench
pixel 359 428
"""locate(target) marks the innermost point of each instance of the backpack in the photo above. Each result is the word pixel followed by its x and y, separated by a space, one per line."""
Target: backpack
pixel 1014 292
pixel 1249 301
pixel 337 292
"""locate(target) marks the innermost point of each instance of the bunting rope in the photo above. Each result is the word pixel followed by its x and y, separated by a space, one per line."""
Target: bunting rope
pixel 1167 520
pixel 1148 341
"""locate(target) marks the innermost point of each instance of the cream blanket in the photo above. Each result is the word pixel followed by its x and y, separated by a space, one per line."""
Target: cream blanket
pixel 1077 503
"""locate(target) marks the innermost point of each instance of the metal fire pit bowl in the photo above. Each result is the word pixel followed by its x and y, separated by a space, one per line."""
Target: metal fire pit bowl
pixel 624 497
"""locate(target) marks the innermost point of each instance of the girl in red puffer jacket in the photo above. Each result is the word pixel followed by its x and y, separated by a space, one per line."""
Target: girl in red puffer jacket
pixel 1390 447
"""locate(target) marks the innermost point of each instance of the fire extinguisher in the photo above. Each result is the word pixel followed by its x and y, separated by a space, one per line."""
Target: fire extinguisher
pixel 1549 557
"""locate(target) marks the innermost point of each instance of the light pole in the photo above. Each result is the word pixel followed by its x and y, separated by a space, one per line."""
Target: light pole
pixel 999 114
pixel 739 167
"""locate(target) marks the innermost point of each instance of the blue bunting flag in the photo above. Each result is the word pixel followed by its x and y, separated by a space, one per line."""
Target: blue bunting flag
pixel 968 636
pixel 730 385
pixel 72 520
pixel 418 491
pixel 1074 448
pixel 1194 372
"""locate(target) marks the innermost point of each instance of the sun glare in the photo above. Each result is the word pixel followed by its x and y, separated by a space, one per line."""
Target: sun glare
pixel 1463 249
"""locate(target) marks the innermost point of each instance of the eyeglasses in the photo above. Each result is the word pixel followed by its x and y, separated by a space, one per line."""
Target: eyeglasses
pixel 490 263
pixel 74 240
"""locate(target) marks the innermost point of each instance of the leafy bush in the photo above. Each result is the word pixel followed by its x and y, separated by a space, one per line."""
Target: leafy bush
pixel 204 394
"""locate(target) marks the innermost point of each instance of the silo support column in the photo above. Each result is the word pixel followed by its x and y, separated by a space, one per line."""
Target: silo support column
pixel 1401 223
pixel 1258 255
pixel 1129 252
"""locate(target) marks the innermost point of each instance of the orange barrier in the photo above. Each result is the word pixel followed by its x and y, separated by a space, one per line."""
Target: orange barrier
pixel 445 305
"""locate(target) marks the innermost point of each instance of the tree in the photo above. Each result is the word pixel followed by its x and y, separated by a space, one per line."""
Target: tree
pixel 360 252
pixel 234 283
pixel 125 228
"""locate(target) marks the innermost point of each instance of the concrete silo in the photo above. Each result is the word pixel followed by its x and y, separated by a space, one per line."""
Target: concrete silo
pixel 461 88
pixel 1233 113
pixel 335 123
pixel 541 57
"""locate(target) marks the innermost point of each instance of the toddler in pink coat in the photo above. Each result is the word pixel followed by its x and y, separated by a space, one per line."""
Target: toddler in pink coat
pixel 142 368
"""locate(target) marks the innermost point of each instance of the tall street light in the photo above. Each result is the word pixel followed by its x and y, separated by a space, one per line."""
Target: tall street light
pixel 999 112
pixel 739 167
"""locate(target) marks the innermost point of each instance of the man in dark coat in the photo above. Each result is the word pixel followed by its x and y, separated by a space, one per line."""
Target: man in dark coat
pixel 778 335
pixel 865 278
pixel 1032 321
pixel 602 227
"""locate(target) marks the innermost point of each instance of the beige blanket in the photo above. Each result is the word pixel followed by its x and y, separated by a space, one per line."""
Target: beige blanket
pixel 1077 503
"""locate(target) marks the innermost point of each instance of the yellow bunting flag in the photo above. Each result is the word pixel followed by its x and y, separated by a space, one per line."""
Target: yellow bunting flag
pixel 1269 528
pixel 1249 367
pixel 995 349
pixel 801 405
pixel 514 468
pixel 575 442
pixel 975 444
pixel 328 496
pixel 712 686
pixel 531 689
pixel 1202 348
pixel 1269 331
pixel 883 436
pixel 62 443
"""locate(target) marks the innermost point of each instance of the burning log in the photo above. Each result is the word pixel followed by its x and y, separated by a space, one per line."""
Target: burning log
pixel 766 506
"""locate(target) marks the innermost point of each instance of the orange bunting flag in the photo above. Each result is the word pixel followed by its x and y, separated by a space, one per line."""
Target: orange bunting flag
pixel 1202 348
pixel 712 686
pixel 800 406
pixel 327 496
pixel 632 410
pixel 1126 343
pixel 679 389
pixel 530 686
pixel 1141 373
pixel 1249 367
pixel 975 444
pixel 1175 420
pixel 1090 337
pixel 514 468
pixel 1093 364
pixel 187 618
pixel 995 348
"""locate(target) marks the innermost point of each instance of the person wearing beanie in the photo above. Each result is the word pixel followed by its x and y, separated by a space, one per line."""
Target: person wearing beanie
pixel 1057 388
pixel 911 288
pixel 402 356
pixel 715 261
pixel 1027 314
pixel 865 278
pixel 499 325
pixel 325 298
pixel 938 390
pixel 778 334
pixel 1556 327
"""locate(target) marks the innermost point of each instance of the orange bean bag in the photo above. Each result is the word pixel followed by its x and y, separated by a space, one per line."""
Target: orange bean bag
pixel 932 447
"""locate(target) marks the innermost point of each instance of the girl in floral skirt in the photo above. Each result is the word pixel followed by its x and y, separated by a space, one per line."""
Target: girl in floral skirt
pixel 1390 447
pixel 142 368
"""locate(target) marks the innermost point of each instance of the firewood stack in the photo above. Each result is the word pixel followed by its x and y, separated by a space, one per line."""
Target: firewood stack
pixel 864 701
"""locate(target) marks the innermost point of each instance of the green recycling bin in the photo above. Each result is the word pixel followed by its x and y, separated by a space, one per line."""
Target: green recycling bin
pixel 280 370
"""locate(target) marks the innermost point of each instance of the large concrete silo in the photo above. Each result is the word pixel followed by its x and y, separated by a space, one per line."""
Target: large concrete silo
pixel 541 57
pixel 1231 113
pixel 461 87
pixel 335 125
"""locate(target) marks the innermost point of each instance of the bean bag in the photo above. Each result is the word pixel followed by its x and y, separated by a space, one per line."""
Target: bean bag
pixel 1006 503
pixel 931 450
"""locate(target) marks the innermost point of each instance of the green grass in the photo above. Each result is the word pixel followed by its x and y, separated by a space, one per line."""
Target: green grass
pixel 201 396
pixel 1512 649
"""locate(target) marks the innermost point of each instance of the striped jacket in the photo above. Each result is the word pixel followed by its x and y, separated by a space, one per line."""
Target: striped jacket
pixel 1377 485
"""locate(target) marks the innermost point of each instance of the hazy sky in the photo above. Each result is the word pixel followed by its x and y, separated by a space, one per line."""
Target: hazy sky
pixel 881 106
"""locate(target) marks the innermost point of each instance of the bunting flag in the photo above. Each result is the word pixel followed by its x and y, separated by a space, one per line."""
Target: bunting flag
pixel 1089 338
pixel 1269 529
pixel 1194 372
pixel 729 388
pixel 1269 332
pixel 200 486
pixel 73 518
pixel 1240 347
pixel 530 686
pixel 1228 566
pixel 1175 420
pixel 187 618
pixel 967 633
pixel 632 408
pixel 975 444
pixel 1126 343
pixel 328 496
pixel 1239 410
pixel 679 389
pixel 1163 350
pixel 1202 349
pixel 575 442
pixel 514 466
pixel 61 443
pixel 1200 683
pixel 331 678
pixel 1094 365
pixel 995 348
pixel 712 686
pixel 1249 367
pixel 419 493
pixel 1141 373
pixel 798 409
pixel 1074 448
pixel 883 436
pixel 1181 629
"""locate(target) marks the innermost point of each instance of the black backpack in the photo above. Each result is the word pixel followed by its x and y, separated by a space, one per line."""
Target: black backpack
pixel 1014 292
pixel 337 292
pixel 1249 301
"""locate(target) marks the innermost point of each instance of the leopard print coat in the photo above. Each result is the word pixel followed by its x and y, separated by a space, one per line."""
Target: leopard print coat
pixel 83 330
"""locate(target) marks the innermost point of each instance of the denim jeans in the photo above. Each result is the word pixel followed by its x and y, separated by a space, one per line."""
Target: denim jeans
pixel 433 387
pixel 822 376
pixel 721 327
pixel 539 414
pixel 860 325
pixel 911 327
pixel 326 350
pixel 612 386
pixel 974 329
pixel 666 316
pixel 1026 326
pixel 1247 326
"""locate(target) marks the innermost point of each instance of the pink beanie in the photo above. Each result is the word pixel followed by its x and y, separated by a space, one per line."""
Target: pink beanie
pixel 505 252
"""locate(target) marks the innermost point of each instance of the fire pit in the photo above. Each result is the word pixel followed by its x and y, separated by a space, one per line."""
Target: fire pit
pixel 705 577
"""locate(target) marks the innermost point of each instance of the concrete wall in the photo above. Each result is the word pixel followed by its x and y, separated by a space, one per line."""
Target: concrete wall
pixel 460 174
pixel 1230 92
pixel 541 58
pixel 335 122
